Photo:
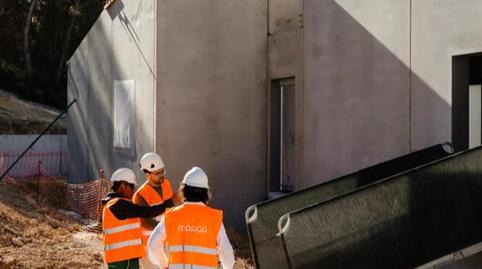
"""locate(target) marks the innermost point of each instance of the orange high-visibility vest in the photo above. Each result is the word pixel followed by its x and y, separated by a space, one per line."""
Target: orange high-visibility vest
pixel 191 236
pixel 122 238
pixel 152 197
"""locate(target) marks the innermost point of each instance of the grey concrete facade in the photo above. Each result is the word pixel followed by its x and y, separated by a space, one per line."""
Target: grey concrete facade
pixel 211 97
pixel 378 79
pixel 356 85
pixel 196 82
pixel 373 81
pixel 120 46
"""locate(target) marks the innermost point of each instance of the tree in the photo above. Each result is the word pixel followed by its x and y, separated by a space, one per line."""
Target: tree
pixel 33 61
pixel 26 40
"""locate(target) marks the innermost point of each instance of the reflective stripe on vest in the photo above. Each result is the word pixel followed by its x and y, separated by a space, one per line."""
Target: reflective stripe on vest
pixel 189 266
pixel 123 244
pixel 122 238
pixel 146 233
pixel 190 248
pixel 122 228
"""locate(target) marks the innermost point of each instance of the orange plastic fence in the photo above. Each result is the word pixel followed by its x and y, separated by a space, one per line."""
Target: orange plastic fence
pixel 86 198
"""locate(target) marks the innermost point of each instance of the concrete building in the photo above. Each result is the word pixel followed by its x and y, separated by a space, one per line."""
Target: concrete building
pixel 275 94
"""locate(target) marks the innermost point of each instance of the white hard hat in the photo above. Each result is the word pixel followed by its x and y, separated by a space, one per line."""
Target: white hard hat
pixel 196 178
pixel 124 174
pixel 151 162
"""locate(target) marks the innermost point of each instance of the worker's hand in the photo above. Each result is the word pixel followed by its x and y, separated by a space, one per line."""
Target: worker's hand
pixel 176 199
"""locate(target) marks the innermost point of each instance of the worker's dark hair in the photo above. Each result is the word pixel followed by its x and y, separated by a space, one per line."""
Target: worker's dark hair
pixel 194 194
pixel 116 185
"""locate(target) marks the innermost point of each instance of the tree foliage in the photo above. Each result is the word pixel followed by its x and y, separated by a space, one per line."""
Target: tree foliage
pixel 56 29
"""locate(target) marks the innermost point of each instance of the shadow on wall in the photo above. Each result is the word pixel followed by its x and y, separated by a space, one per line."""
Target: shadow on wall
pixel 94 67
pixel 366 88
pixel 118 11
pixel 368 113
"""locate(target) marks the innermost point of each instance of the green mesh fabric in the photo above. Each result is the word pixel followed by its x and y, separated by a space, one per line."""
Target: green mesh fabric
pixel 400 222
pixel 262 230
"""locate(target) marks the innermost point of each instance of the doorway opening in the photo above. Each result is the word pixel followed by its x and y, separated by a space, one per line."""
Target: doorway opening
pixel 466 101
pixel 282 135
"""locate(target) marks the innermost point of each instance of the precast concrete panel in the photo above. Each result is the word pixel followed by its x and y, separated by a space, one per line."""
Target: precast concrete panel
pixel 77 141
pixel 284 15
pixel 133 58
pixel 440 30
pixel 120 46
pixel 211 97
pixel 100 96
pixel 356 85
pixel 285 56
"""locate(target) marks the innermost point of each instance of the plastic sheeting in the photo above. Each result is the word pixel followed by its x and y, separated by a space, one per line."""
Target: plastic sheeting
pixel 124 94
pixel 400 222
pixel 262 219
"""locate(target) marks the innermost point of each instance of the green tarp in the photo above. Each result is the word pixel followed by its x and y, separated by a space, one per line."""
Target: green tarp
pixel 400 222
pixel 262 219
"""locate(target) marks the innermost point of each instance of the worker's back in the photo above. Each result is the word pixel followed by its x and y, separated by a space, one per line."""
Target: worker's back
pixel 191 234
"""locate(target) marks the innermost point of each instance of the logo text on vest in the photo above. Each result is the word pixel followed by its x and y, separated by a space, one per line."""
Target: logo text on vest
pixel 192 228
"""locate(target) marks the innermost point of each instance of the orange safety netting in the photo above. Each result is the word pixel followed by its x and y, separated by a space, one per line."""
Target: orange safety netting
pixel 36 167
pixel 86 198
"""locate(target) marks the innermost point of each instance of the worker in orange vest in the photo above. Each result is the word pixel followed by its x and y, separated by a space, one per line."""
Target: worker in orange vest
pixel 192 234
pixel 120 222
pixel 157 189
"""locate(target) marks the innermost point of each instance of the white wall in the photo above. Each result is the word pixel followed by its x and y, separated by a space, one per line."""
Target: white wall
pixel 475 113
pixel 120 46
pixel 51 150
pixel 441 29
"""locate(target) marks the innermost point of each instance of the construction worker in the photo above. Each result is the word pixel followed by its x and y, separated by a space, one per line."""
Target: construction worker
pixel 192 234
pixel 120 222
pixel 157 189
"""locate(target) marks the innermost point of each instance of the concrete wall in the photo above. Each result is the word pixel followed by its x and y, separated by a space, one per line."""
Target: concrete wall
pixel 440 30
pixel 356 85
pixel 120 46
pixel 50 150
pixel 373 82
pixel 378 79
pixel 44 144
pixel 211 97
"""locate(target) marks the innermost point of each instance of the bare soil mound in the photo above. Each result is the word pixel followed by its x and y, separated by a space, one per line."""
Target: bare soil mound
pixel 22 117
pixel 39 236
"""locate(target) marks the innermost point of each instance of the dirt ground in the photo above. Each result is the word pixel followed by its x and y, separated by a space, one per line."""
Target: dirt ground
pixel 38 236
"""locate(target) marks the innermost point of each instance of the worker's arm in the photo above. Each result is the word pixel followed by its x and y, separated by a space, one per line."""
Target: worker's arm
pixel 175 199
pixel 148 223
pixel 155 245
pixel 123 209
pixel 169 202
pixel 224 249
